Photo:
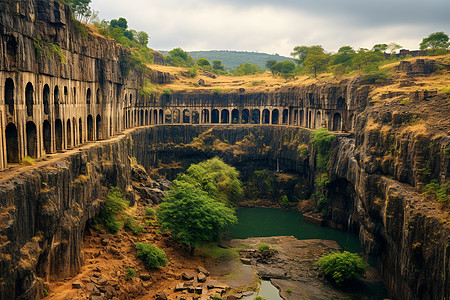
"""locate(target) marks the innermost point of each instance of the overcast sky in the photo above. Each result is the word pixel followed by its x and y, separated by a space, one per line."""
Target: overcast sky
pixel 277 26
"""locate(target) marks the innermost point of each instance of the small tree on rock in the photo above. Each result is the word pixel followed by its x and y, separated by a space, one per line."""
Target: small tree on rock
pixel 435 42
pixel 192 216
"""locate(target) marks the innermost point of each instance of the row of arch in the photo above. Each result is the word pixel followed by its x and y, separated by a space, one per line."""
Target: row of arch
pixel 47 96
pixel 224 116
pixel 52 140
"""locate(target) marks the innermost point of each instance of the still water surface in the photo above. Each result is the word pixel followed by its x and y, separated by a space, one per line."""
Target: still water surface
pixel 263 222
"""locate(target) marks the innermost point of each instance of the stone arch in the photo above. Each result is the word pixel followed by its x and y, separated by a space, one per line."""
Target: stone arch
pixel 80 130
pixel 66 94
pixel 155 116
pixel 285 117
pixel 90 128
pixel 12 144
pixel 340 102
pixel 29 92
pixel 11 51
pixel 295 121
pixel 88 96
pixel 309 119
pixel 337 122
pixel 98 126
pixel 266 116
pixel 97 96
pixel 205 116
pixel 318 120
pixel 186 116
pixel 31 139
pixel 56 99
pixel 46 99
pixel 235 116
pixel 275 116
pixel 47 136
pixel 74 95
pixel 256 116
pixel 161 116
pixel 225 116
pixel 168 116
pixel 69 134
pixel 59 137
pixel 74 123
pixel 195 117
pixel 245 116
pixel 146 118
pixel 301 117
pixel 215 116
pixel 9 95
pixel 142 118
pixel 176 116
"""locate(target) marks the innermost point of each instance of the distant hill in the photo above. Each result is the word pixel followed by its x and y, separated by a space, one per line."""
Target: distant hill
pixel 232 59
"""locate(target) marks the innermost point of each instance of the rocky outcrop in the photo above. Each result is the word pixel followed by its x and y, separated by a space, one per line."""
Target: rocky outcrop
pixel 45 210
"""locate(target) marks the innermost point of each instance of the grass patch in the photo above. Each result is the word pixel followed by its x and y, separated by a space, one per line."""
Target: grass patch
pixel 219 253
pixel 28 161
pixel 130 273
pixel 134 226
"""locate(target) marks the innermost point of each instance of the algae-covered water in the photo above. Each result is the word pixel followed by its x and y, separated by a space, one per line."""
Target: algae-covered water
pixel 263 222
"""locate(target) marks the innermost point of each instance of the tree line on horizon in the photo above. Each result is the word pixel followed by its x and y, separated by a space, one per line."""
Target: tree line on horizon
pixel 312 60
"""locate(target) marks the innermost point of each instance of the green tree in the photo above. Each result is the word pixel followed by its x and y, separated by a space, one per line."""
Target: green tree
pixel 80 8
pixel 435 42
pixel 343 57
pixel 367 60
pixel 247 69
pixel 342 267
pixel 179 58
pixel 300 53
pixel 219 180
pixel 203 63
pixel 380 47
pixel 142 37
pixel 120 23
pixel 270 63
pixel 392 47
pixel 316 60
pixel 217 65
pixel 192 216
pixel 285 69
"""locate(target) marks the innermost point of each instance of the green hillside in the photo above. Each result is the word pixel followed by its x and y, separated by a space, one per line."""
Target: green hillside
pixel 232 59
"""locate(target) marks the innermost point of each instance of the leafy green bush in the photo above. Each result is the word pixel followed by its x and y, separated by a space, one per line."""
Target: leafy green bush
pixel 130 273
pixel 342 267
pixel 284 201
pixel 260 298
pixel 289 291
pixel 152 256
pixel 114 205
pixel 263 247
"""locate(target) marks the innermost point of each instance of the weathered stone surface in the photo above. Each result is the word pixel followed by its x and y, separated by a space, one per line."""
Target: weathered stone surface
pixel 188 275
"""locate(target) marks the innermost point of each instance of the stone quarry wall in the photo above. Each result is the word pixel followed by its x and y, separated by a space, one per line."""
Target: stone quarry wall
pixel 45 210
pixel 408 234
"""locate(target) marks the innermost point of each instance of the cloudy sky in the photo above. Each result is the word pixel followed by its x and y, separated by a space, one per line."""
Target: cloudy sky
pixel 277 26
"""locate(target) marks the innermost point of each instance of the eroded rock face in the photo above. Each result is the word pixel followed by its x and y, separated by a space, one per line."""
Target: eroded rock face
pixel 408 233
pixel 46 210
